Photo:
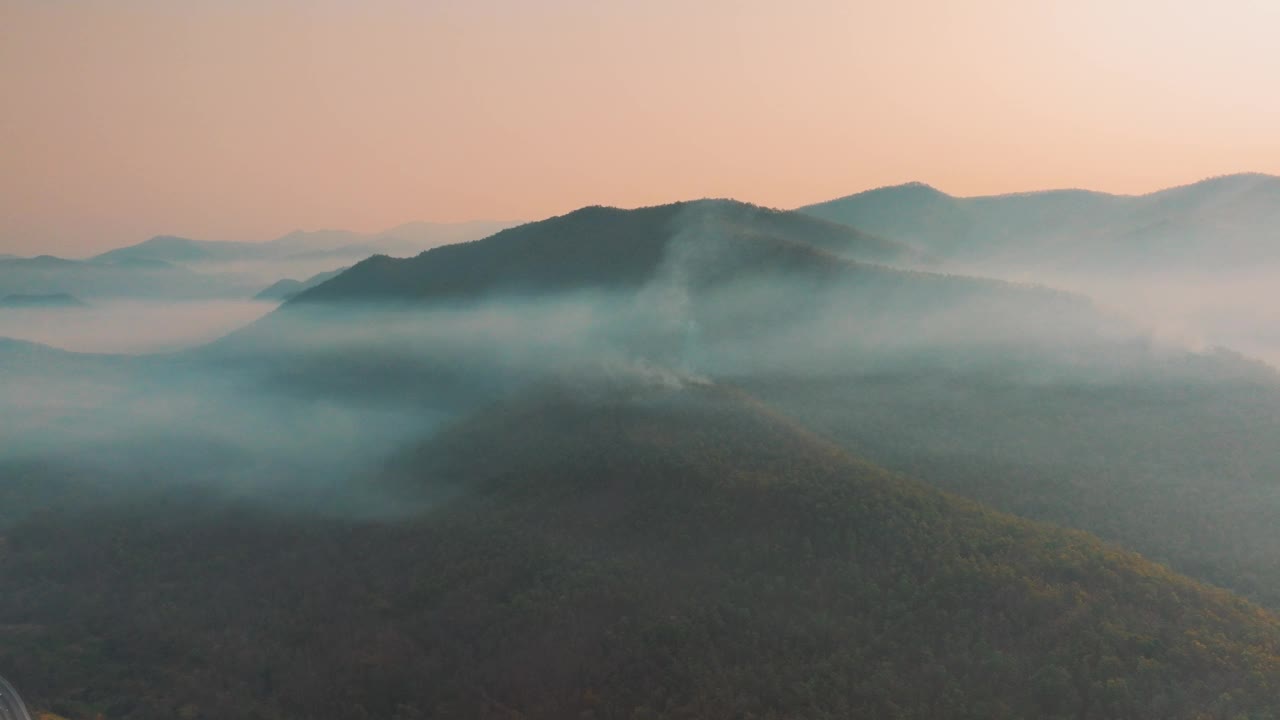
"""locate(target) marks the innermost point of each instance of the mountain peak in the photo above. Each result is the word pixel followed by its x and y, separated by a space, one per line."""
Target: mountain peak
pixel 598 247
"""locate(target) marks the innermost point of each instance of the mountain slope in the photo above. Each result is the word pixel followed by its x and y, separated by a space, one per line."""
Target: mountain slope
pixel 713 286
pixel 1027 399
pixel 282 290
pixel 1217 223
pixel 594 248
pixel 1178 464
pixel 627 552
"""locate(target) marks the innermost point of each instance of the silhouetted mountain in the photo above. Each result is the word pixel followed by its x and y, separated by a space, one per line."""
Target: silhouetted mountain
pixel 114 277
pixel 52 300
pixel 301 245
pixel 620 552
pixel 1223 222
pixel 168 248
pixel 1053 399
pixel 282 290
pixel 606 248
pixel 711 286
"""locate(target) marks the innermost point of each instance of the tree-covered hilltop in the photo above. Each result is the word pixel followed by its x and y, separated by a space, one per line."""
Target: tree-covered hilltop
pixel 619 553
pixel 599 248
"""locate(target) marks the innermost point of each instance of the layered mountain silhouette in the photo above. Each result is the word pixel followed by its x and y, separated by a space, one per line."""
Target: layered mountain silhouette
pixel 285 289
pixel 714 286
pixel 410 238
pixel 611 249
pixel 119 277
pixel 1220 223
pixel 1025 398
pixel 660 490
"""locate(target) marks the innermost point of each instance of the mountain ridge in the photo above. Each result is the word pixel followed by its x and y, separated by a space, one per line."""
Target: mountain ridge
pixel 1222 222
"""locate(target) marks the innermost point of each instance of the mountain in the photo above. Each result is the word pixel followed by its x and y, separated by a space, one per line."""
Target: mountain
pixel 180 250
pixel 612 524
pixel 1178 463
pixel 114 277
pixel 52 300
pixel 619 551
pixel 709 286
pixel 285 289
pixel 606 248
pixel 402 240
pixel 1030 400
pixel 305 245
pixel 1224 222
pixel 176 268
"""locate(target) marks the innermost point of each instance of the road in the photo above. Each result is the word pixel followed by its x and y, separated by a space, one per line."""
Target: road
pixel 11 707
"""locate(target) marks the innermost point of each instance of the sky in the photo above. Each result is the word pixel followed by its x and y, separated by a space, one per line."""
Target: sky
pixel 244 120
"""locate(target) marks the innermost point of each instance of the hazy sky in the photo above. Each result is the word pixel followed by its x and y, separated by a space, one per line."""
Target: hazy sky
pixel 239 119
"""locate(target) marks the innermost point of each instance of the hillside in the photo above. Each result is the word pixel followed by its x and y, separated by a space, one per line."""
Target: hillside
pixel 599 248
pixel 721 280
pixel 1220 223
pixel 630 552
pixel 714 287
pixel 1032 401
pixel 285 289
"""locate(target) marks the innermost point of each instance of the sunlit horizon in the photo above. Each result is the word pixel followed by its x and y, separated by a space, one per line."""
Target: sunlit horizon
pixel 244 121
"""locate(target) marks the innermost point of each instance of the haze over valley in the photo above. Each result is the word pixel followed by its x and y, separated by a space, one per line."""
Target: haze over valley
pixel 793 395
pixel 363 401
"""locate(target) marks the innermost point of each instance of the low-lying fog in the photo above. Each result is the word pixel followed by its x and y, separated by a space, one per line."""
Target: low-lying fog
pixel 1238 310
pixel 327 397
pixel 131 326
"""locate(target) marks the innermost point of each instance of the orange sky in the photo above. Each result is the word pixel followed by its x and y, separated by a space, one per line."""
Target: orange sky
pixel 240 119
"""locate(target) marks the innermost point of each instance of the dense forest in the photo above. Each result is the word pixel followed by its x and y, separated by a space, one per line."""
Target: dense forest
pixel 634 553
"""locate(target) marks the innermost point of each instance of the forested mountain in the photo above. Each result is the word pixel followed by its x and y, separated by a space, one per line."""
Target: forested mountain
pixel 1021 397
pixel 618 551
pixel 285 289
pixel 712 286
pixel 600 248
pixel 1220 223
pixel 649 497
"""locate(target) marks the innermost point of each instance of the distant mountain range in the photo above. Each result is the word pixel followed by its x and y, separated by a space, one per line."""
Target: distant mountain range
pixel 408 239
pixel 1220 223
pixel 176 268
pixel 121 277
